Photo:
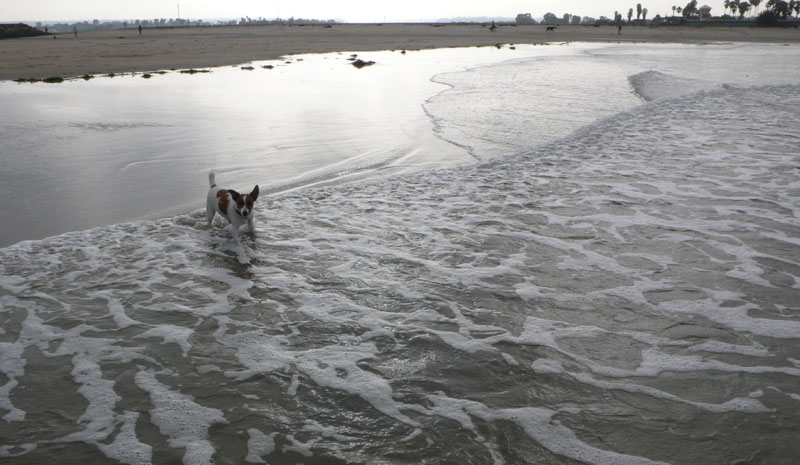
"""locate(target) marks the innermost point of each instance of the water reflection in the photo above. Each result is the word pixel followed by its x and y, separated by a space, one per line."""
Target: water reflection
pixel 88 153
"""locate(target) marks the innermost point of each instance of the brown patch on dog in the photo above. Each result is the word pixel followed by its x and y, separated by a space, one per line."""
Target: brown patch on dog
pixel 222 195
pixel 237 197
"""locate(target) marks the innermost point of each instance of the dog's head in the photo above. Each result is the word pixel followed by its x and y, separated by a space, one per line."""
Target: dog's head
pixel 244 202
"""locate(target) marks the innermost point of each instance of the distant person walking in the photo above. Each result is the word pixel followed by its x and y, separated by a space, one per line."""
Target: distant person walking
pixel 140 29
pixel 75 30
pixel 619 29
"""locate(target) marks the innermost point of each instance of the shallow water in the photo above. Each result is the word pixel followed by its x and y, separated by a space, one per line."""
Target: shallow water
pixel 91 153
pixel 627 293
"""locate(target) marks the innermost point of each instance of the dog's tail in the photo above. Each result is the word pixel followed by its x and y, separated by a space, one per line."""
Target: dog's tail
pixel 211 176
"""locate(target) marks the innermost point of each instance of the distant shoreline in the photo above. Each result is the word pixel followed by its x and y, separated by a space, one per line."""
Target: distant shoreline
pixel 125 51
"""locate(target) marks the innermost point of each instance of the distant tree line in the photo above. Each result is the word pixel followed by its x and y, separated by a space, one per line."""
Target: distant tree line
pixel 774 10
pixel 97 25
pixel 780 8
pixel 551 18
pixel 13 31
pixel 740 8
pixel 248 21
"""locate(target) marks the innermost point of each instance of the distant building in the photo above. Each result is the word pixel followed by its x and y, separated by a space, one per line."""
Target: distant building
pixel 705 12
pixel 525 18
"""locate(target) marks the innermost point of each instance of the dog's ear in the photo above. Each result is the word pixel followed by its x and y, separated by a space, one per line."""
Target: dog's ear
pixel 234 195
pixel 254 193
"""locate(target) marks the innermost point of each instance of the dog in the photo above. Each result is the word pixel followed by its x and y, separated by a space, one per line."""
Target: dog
pixel 551 29
pixel 235 207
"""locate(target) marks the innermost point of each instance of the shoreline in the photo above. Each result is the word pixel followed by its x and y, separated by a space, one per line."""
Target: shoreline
pixel 125 51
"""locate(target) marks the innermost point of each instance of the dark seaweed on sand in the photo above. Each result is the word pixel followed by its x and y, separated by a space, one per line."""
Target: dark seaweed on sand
pixel 361 63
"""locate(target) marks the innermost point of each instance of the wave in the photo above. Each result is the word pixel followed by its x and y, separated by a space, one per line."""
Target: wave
pixel 641 263
pixel 654 85
pixel 501 109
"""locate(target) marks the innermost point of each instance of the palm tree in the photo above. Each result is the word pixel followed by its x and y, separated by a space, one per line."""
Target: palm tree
pixel 674 7
pixel 690 9
pixel 727 5
pixel 644 14
pixel 638 11
pixel 630 14
pixel 744 7
pixel 755 4
pixel 680 10
pixel 780 7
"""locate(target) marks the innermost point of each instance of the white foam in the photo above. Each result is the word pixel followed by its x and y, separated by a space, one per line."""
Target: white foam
pixel 177 416
pixel 100 418
pixel 126 446
pixel 737 318
pixel 293 385
pixel 655 362
pixel 327 431
pixel 740 404
pixel 17 450
pixel 12 365
pixel 299 447
pixel 13 284
pixel 339 370
pixel 510 359
pixel 116 310
pixel 259 445
pixel 755 350
pixel 258 353
pixel 539 425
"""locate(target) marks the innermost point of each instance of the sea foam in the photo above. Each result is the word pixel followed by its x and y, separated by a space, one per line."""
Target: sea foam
pixel 530 307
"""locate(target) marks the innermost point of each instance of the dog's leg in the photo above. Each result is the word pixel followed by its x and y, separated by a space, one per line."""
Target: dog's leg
pixel 250 225
pixel 210 212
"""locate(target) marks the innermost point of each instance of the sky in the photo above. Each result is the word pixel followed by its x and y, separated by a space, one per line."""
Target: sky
pixel 345 10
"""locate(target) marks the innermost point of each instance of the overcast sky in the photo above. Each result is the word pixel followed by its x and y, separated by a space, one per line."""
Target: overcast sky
pixel 347 10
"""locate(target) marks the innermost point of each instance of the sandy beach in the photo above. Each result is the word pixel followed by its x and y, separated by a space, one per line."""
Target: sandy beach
pixel 123 51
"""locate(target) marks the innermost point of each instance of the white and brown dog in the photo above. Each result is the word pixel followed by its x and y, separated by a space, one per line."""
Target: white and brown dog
pixel 233 206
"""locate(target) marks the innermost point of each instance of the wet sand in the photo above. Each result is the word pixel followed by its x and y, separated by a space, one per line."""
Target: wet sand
pixel 123 51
